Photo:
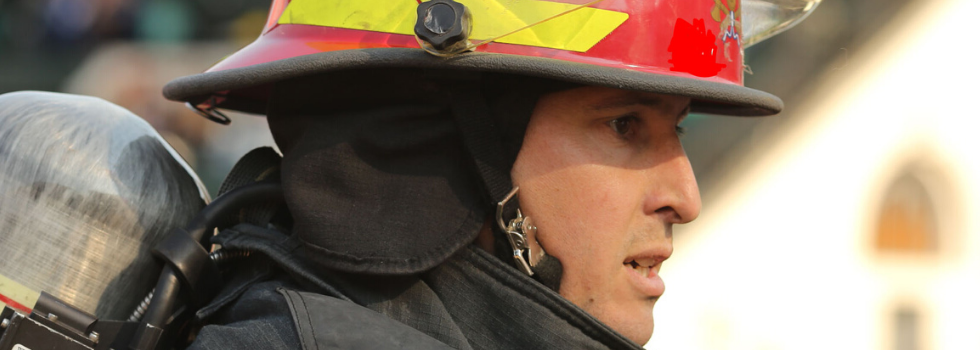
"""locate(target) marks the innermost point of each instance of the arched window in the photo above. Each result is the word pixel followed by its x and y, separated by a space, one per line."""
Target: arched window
pixel 907 218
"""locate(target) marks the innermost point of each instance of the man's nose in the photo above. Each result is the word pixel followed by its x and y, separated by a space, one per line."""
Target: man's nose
pixel 673 192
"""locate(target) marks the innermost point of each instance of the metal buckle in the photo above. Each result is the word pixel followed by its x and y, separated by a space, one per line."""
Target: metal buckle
pixel 210 112
pixel 521 233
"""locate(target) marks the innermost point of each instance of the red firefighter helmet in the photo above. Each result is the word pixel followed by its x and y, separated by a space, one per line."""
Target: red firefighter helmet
pixel 691 48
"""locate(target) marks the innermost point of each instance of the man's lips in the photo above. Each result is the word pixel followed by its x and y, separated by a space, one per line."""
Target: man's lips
pixel 644 277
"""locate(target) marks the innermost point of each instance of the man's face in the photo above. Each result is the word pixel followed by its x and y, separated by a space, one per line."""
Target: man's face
pixel 603 175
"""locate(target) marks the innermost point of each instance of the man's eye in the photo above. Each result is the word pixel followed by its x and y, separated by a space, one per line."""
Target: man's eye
pixel 623 125
pixel 680 130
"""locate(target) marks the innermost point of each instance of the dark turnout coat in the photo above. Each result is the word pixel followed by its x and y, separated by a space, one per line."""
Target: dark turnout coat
pixel 278 300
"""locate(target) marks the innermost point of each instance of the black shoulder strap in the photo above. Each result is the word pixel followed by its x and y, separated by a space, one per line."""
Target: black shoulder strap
pixel 257 165
pixel 260 164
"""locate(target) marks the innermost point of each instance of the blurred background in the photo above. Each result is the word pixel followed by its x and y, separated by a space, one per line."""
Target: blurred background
pixel 848 221
pixel 845 222
pixel 124 51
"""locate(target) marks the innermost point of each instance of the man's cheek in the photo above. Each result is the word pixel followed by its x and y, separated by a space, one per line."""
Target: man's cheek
pixel 610 203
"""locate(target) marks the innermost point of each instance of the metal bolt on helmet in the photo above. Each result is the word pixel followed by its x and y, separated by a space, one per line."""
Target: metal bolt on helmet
pixel 443 27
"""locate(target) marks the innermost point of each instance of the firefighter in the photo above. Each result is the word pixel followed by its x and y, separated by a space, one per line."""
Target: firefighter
pixel 477 175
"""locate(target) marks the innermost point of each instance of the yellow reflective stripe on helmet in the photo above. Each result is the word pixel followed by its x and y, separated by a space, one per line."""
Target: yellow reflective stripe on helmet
pixel 578 30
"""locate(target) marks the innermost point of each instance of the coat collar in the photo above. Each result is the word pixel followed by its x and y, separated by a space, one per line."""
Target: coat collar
pixel 470 301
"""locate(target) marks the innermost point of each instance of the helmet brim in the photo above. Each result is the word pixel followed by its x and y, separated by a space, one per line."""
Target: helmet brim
pixel 707 97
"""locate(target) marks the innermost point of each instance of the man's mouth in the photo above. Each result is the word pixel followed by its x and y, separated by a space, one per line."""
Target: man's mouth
pixel 642 267
pixel 644 277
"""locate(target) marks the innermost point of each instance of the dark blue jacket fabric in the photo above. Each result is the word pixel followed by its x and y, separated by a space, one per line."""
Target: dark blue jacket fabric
pixel 277 299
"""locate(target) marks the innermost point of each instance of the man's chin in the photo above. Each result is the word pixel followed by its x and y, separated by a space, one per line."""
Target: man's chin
pixel 641 335
pixel 637 327
pixel 627 313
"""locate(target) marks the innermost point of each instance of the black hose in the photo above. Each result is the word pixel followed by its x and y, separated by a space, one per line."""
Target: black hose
pixel 165 295
pixel 230 203
pixel 219 257
pixel 164 299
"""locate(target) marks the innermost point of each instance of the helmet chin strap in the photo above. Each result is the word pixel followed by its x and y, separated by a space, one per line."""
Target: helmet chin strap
pixel 527 252
pixel 548 271
pixel 483 141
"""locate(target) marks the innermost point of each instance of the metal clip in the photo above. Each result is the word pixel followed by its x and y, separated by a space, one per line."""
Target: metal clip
pixel 210 112
pixel 521 233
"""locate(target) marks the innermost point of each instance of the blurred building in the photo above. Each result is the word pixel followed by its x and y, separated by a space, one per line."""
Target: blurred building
pixel 852 224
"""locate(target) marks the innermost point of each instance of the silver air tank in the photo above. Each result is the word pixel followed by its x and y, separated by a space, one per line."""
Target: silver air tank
pixel 86 189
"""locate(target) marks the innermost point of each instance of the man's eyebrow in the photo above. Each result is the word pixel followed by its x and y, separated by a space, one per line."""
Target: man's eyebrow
pixel 630 101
